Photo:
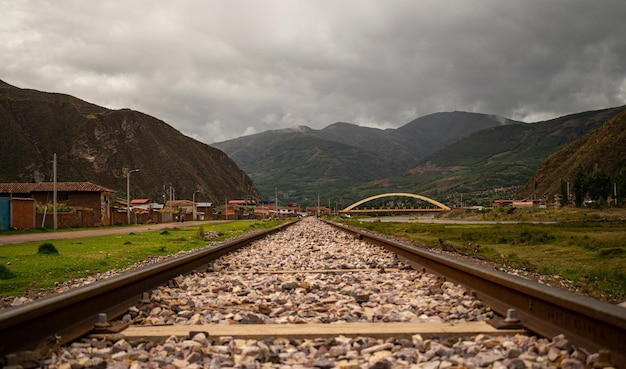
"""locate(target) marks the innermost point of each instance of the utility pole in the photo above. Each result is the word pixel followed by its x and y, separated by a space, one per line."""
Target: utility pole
pixel 54 191
pixel 193 197
pixel 171 201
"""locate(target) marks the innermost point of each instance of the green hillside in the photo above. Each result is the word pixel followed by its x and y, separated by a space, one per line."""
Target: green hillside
pixel 502 157
pixel 301 162
pixel 597 158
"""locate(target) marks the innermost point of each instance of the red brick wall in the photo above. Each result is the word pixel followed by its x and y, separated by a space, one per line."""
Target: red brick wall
pixel 120 217
pixel 22 213
pixel 84 200
pixel 78 218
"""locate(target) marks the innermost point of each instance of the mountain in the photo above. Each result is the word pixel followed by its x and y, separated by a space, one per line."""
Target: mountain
pixel 601 151
pixel 96 144
pixel 301 162
pixel 416 139
pixel 503 156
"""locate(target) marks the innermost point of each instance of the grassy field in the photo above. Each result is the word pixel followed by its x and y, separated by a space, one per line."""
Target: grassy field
pixel 24 270
pixel 591 253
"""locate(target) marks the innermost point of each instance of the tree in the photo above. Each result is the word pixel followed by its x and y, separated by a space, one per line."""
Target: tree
pixel 599 187
pixel 564 193
pixel 619 179
pixel 580 187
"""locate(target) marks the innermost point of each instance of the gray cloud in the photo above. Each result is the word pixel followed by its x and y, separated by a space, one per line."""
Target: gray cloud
pixel 221 69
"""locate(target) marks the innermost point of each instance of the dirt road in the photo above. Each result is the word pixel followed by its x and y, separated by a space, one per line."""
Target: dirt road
pixel 60 235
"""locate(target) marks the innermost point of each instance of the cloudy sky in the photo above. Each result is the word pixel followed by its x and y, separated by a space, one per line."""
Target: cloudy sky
pixel 217 70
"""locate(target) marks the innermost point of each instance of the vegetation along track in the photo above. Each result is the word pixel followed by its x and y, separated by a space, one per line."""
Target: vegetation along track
pixel 380 312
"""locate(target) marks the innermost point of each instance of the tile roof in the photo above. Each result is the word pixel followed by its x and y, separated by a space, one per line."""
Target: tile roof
pixel 140 201
pixel 49 186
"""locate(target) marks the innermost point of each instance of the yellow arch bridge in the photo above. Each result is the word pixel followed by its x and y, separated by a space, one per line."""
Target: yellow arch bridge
pixel 352 209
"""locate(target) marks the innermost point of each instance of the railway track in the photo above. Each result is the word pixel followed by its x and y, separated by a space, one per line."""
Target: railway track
pixel 240 299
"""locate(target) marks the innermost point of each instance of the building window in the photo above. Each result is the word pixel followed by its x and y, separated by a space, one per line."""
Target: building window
pixel 63 197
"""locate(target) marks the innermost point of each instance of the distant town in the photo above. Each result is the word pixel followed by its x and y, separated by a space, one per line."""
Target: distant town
pixel 85 204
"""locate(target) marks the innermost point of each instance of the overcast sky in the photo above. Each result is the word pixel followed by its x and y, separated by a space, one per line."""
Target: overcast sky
pixel 217 70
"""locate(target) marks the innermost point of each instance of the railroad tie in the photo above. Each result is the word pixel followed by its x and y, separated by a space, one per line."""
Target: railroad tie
pixel 303 331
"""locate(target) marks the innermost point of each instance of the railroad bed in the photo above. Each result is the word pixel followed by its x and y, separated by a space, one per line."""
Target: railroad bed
pixel 313 296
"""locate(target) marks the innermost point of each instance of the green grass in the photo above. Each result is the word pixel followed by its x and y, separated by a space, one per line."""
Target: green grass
pixel 28 271
pixel 591 254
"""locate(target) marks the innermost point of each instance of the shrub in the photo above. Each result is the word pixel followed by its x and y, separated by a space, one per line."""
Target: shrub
pixel 6 273
pixel 200 233
pixel 47 249
pixel 611 251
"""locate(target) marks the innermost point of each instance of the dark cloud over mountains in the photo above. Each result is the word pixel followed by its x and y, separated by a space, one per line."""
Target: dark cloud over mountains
pixel 221 69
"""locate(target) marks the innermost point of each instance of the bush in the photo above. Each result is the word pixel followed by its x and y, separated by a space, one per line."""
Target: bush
pixel 47 249
pixel 200 233
pixel 6 273
pixel 611 251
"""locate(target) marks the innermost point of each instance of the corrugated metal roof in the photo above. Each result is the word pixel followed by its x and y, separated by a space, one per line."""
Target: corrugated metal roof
pixel 49 186
pixel 179 203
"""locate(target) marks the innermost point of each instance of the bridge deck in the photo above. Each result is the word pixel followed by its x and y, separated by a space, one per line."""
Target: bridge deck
pixel 392 210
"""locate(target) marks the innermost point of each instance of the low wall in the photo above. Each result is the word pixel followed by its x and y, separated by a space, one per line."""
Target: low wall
pixel 121 217
pixel 22 213
pixel 77 218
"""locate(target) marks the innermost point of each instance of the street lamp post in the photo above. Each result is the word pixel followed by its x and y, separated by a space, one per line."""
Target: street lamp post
pixel 128 193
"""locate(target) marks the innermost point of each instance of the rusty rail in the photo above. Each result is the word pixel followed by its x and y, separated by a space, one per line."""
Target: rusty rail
pixel 547 311
pixel 66 316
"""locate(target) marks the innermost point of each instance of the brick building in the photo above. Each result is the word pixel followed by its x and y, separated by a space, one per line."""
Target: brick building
pixel 90 204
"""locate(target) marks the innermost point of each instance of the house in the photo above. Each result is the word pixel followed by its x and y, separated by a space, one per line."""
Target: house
pixel 242 202
pixel 204 210
pixel 264 211
pixel 183 209
pixel 502 203
pixel 142 211
pixel 143 204
pixel 520 203
pixel 318 210
pixel 88 204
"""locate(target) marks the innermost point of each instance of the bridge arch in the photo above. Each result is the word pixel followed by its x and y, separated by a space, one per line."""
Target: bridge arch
pixel 441 206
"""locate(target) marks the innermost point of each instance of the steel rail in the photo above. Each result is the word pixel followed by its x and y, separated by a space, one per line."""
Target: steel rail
pixel 548 311
pixel 66 316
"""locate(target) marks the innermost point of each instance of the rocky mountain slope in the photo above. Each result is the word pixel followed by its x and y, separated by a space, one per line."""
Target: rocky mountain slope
pixel 99 145
pixel 599 155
